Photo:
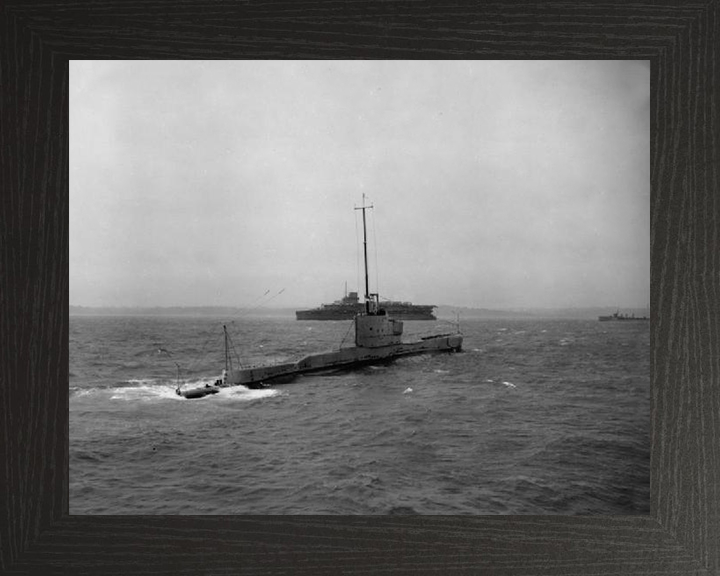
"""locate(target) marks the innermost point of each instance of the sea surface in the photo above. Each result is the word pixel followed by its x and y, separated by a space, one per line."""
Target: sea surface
pixel 533 417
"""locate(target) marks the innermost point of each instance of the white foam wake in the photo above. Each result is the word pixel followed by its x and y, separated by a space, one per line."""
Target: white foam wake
pixel 143 392
pixel 244 394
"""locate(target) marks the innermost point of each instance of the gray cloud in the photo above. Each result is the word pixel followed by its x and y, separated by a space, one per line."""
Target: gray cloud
pixel 494 183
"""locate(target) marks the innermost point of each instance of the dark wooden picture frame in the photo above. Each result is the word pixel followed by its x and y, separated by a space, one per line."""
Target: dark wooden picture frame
pixel 681 535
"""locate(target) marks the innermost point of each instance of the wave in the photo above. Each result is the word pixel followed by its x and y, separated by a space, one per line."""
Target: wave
pixel 144 392
pixel 244 394
pixel 153 389
pixel 141 381
pixel 402 511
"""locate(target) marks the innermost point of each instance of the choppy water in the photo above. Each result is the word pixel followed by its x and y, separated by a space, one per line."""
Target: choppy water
pixel 534 417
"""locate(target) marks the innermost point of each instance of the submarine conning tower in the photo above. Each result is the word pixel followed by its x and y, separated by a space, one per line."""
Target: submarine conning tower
pixel 375 328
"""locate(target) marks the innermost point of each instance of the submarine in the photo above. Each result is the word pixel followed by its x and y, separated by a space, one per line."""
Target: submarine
pixel 378 339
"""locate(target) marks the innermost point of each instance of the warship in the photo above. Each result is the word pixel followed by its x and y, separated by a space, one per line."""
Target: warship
pixel 617 317
pixel 350 306
pixel 378 338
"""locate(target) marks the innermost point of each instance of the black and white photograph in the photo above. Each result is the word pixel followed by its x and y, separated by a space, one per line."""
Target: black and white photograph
pixel 368 287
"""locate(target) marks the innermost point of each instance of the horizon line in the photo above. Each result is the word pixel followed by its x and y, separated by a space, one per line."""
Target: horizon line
pixel 301 306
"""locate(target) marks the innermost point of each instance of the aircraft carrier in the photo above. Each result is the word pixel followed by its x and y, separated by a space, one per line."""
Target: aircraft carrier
pixel 350 306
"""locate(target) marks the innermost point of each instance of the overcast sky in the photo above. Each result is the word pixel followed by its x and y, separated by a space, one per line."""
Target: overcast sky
pixel 494 184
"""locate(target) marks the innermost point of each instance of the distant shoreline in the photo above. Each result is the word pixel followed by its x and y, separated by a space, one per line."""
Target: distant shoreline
pixel 444 312
pixel 176 311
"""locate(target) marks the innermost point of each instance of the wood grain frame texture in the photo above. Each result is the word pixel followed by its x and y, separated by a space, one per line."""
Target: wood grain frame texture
pixel 681 535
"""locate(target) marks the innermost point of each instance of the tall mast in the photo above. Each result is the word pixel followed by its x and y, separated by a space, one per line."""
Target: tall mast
pixel 367 284
pixel 226 346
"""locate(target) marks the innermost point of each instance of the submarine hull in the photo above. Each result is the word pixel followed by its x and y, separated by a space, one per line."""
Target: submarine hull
pixel 351 357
